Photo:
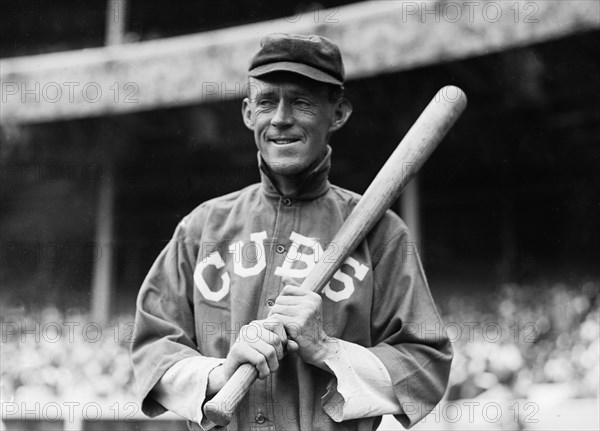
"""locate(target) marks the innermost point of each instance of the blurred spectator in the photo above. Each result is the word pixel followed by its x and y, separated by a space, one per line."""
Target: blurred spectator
pixel 526 336
pixel 511 341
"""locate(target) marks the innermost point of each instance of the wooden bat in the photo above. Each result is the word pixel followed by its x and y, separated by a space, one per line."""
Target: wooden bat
pixel 406 160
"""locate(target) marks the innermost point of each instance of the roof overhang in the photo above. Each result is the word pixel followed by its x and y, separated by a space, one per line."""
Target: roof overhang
pixel 375 37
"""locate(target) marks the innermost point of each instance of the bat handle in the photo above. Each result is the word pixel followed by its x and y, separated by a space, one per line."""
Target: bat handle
pixel 220 409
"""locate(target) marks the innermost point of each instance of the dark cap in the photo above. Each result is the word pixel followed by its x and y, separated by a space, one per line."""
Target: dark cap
pixel 315 57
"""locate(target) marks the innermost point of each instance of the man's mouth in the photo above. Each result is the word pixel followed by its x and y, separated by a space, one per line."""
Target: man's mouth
pixel 284 141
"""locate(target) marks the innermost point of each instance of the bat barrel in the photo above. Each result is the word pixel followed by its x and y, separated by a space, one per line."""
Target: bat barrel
pixel 400 168
pixel 406 160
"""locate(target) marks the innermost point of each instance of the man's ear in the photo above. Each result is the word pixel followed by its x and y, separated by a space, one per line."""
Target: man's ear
pixel 341 112
pixel 247 114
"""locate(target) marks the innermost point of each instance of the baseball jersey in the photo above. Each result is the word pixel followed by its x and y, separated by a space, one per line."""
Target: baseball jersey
pixel 224 268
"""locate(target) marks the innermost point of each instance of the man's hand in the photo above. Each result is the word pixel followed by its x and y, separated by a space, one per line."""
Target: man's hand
pixel 300 312
pixel 262 343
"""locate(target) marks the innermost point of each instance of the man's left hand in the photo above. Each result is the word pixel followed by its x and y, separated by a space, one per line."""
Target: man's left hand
pixel 300 312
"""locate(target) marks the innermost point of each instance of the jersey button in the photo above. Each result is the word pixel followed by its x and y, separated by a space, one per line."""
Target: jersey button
pixel 280 249
pixel 260 418
pixel 287 202
pixel 270 303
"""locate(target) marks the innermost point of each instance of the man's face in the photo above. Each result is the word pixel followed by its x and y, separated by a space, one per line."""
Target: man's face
pixel 292 118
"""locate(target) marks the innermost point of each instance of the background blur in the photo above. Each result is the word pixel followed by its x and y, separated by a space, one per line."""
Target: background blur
pixel 120 117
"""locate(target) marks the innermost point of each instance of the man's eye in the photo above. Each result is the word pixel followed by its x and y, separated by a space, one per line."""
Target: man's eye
pixel 302 103
pixel 265 102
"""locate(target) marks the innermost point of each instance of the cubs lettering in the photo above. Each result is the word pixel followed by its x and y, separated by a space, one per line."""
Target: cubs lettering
pixel 297 264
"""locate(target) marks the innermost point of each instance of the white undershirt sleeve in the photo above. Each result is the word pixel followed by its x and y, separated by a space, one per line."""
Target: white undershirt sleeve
pixel 182 389
pixel 362 387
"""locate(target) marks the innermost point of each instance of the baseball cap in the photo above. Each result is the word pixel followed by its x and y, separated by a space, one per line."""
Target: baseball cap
pixel 315 57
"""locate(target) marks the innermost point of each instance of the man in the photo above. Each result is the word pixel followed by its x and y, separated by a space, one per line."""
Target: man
pixel 225 289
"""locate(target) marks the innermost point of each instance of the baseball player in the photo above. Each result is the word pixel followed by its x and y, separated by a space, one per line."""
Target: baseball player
pixel 224 291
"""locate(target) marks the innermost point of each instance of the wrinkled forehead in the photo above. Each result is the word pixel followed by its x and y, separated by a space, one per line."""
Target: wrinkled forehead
pixel 285 84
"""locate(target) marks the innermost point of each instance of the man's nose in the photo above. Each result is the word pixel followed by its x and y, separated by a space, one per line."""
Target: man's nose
pixel 283 115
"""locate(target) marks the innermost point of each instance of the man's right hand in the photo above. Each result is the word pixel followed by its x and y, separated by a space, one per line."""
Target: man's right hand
pixel 261 343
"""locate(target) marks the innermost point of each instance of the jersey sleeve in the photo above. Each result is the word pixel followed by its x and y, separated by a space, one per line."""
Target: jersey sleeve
pixel 408 333
pixel 164 319
pixel 182 389
pixel 362 386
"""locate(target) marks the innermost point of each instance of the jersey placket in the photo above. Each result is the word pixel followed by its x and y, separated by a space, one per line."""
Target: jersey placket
pixel 261 409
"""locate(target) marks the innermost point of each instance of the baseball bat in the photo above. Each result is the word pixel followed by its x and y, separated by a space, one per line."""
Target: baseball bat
pixel 406 160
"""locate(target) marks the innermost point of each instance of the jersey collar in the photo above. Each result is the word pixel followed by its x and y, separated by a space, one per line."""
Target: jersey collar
pixel 314 184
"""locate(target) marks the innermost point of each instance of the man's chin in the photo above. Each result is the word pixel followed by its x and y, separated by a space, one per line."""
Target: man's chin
pixel 282 167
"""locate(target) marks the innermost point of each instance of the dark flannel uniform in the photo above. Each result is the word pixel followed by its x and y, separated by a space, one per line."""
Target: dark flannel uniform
pixel 224 267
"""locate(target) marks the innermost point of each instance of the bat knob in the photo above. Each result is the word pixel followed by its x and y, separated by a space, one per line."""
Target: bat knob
pixel 218 413
pixel 220 409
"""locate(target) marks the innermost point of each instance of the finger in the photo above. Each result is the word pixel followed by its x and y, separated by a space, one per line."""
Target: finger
pixel 289 300
pixel 287 280
pixel 275 313
pixel 250 332
pixel 273 340
pixel 291 325
pixel 288 311
pixel 292 346
pixel 276 327
pixel 253 332
pixel 259 330
pixel 298 312
pixel 257 359
pixel 292 290
pixel 270 354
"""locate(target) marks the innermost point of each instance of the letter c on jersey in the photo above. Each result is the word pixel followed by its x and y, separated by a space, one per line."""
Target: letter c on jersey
pixel 216 260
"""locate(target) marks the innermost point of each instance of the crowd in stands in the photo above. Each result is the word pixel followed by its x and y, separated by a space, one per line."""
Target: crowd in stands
pixel 514 338
pixel 525 336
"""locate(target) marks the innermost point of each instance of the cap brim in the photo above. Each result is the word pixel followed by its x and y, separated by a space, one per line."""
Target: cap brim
pixel 299 68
